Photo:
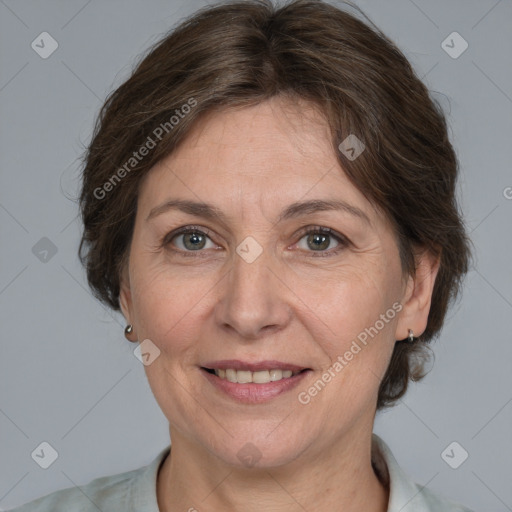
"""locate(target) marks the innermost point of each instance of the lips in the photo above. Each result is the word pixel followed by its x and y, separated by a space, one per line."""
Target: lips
pixel 254 393
pixel 253 382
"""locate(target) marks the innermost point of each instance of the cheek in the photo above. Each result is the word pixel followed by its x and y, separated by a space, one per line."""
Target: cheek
pixel 345 302
pixel 361 314
pixel 355 328
pixel 167 303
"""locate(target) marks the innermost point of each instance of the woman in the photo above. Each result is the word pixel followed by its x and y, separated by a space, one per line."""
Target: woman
pixel 269 199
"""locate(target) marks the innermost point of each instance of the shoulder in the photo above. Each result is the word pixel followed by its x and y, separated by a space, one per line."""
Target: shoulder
pixel 405 495
pixel 132 490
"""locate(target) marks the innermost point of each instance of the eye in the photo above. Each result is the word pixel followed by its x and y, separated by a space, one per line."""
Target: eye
pixel 189 239
pixel 318 239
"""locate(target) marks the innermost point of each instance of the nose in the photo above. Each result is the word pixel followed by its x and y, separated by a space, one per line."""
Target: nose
pixel 254 298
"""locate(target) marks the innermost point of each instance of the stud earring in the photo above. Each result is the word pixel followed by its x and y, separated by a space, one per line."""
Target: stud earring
pixel 128 331
pixel 410 338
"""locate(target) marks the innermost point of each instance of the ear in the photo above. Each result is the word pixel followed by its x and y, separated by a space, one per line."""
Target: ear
pixel 418 295
pixel 125 295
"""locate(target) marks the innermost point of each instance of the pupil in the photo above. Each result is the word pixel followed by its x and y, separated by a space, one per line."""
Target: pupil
pixel 322 239
pixel 194 237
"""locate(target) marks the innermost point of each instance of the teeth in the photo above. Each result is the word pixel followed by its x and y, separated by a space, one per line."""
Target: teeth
pixel 260 377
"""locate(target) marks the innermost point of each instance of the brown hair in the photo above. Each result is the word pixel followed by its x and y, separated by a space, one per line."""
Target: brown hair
pixel 241 53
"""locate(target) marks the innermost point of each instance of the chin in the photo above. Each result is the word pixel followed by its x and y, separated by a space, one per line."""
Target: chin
pixel 253 451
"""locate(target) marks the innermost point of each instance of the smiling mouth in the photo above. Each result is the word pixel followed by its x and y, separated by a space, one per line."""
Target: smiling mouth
pixel 258 377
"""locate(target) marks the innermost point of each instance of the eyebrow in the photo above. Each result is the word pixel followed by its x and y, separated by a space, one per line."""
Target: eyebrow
pixel 294 210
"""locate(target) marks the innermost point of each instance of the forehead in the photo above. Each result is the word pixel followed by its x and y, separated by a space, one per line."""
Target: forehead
pixel 263 156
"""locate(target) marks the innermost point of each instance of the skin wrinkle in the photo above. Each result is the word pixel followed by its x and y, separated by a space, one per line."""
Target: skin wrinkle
pixel 286 305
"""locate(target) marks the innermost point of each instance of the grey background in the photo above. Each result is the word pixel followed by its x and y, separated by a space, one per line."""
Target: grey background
pixel 67 374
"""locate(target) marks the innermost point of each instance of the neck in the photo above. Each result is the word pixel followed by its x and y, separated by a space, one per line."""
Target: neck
pixel 336 478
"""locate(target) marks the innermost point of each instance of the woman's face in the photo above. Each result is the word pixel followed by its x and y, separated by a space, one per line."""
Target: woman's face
pixel 248 288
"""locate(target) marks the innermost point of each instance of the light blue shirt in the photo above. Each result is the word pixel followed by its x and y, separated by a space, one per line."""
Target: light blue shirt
pixel 135 491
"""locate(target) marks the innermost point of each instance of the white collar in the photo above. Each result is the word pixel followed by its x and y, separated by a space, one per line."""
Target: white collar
pixel 405 495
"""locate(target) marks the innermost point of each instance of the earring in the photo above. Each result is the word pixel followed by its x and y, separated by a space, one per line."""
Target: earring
pixel 128 331
pixel 410 338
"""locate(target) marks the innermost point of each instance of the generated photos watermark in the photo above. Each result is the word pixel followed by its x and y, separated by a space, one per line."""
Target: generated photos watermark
pixel 305 397
pixel 137 156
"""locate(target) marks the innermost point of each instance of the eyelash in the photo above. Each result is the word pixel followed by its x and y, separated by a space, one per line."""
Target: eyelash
pixel 342 241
